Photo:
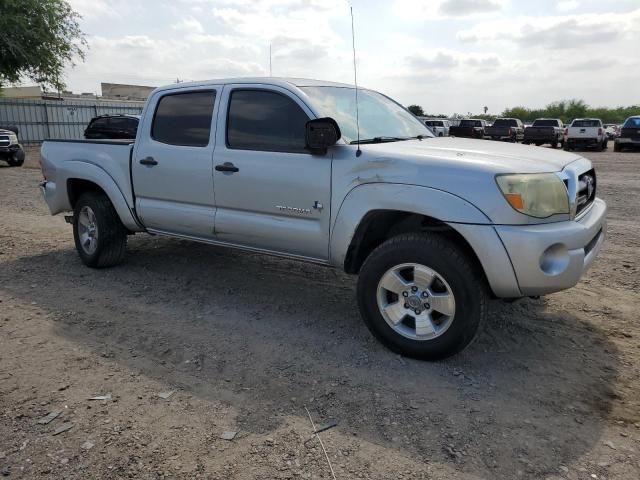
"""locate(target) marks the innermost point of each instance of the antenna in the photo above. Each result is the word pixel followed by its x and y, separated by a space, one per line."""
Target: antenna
pixel 355 81
pixel 270 72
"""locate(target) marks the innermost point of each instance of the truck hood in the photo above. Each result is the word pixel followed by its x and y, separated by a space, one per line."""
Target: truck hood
pixel 488 156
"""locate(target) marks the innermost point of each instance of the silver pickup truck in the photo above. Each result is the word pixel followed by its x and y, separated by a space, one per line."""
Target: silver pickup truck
pixel 434 227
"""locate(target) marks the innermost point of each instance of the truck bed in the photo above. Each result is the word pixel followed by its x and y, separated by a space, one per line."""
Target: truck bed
pixel 97 160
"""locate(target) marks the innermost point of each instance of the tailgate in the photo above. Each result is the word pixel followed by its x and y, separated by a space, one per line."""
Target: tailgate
pixel 583 132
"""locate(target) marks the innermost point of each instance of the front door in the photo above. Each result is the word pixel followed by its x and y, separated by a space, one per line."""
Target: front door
pixel 171 167
pixel 271 194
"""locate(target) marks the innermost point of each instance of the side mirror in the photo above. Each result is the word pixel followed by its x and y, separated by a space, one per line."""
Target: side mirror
pixel 320 134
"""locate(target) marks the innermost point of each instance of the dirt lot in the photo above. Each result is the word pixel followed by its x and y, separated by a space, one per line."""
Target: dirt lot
pixel 550 389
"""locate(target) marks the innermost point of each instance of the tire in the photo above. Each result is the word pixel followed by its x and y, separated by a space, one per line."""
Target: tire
pixel 454 279
pixel 605 145
pixel 538 144
pixel 107 246
pixel 554 144
pixel 616 148
pixel 526 142
pixel 17 159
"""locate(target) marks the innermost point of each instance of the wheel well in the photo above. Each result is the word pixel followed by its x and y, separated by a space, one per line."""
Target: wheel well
pixel 76 187
pixel 380 225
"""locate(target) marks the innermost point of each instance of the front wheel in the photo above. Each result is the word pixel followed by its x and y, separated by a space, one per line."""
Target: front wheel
pixel 99 235
pixel 421 296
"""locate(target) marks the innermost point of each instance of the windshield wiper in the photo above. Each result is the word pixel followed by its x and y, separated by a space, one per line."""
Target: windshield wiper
pixel 378 140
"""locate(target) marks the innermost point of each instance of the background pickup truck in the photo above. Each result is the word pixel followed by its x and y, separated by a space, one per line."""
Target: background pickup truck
pixel 506 129
pixel 434 228
pixel 586 133
pixel 468 128
pixel 545 130
pixel 629 134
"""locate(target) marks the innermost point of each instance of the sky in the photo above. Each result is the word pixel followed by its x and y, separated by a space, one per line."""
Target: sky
pixel 449 56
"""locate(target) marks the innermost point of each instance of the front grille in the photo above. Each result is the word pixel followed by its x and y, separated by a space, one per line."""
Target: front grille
pixel 4 140
pixel 586 191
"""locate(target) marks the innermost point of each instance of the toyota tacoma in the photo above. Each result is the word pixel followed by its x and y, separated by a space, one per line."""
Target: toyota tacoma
pixel 434 228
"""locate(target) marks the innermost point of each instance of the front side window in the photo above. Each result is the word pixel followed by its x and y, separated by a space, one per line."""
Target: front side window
pixel 184 119
pixel 266 121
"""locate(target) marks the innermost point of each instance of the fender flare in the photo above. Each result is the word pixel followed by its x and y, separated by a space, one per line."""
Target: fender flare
pixel 360 200
pixel 88 171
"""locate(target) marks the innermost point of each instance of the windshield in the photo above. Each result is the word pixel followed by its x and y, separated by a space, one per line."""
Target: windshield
pixel 505 122
pixel 633 122
pixel 380 117
pixel 545 123
pixel 470 123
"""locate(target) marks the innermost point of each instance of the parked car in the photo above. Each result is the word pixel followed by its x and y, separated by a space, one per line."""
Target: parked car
pixel 438 126
pixel 612 130
pixel 545 130
pixel 629 134
pixel 434 228
pixel 112 127
pixel 469 128
pixel 10 149
pixel 586 133
pixel 506 129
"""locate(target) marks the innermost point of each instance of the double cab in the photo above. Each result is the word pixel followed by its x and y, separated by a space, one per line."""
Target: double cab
pixel 545 130
pixel 506 129
pixel 586 133
pixel 469 128
pixel 434 228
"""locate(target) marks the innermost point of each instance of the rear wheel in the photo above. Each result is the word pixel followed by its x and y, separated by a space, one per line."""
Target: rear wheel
pixel 616 148
pixel 538 144
pixel 99 235
pixel 554 144
pixel 421 296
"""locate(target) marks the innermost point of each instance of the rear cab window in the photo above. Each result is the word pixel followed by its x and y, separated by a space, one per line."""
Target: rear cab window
pixel 586 123
pixel 632 123
pixel 184 119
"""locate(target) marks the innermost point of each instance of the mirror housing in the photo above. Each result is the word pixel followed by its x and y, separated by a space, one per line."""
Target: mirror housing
pixel 320 134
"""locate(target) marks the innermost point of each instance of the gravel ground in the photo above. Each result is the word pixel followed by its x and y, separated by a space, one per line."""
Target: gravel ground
pixel 550 389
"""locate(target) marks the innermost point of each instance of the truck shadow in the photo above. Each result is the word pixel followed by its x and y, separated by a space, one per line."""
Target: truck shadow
pixel 270 336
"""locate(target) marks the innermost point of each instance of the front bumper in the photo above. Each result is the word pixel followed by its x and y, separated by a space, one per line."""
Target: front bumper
pixel 9 151
pixel 551 257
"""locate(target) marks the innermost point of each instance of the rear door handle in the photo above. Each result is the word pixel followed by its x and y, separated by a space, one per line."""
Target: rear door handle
pixel 227 167
pixel 150 161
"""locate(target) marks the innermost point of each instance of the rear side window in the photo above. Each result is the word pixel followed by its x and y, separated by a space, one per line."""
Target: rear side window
pixel 266 121
pixel 184 119
pixel 99 123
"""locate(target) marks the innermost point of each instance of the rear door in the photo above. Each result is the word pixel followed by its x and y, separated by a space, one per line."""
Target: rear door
pixel 271 194
pixel 172 162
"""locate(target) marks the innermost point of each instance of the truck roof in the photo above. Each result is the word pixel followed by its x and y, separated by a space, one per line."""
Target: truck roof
pixel 277 81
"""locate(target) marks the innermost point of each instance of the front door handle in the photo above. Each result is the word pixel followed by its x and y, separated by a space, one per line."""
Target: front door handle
pixel 227 167
pixel 150 161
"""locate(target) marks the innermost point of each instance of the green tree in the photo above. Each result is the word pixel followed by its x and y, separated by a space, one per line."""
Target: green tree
pixel 416 110
pixel 37 39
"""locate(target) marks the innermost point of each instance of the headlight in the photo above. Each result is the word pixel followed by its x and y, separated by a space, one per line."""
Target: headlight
pixel 13 139
pixel 537 194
